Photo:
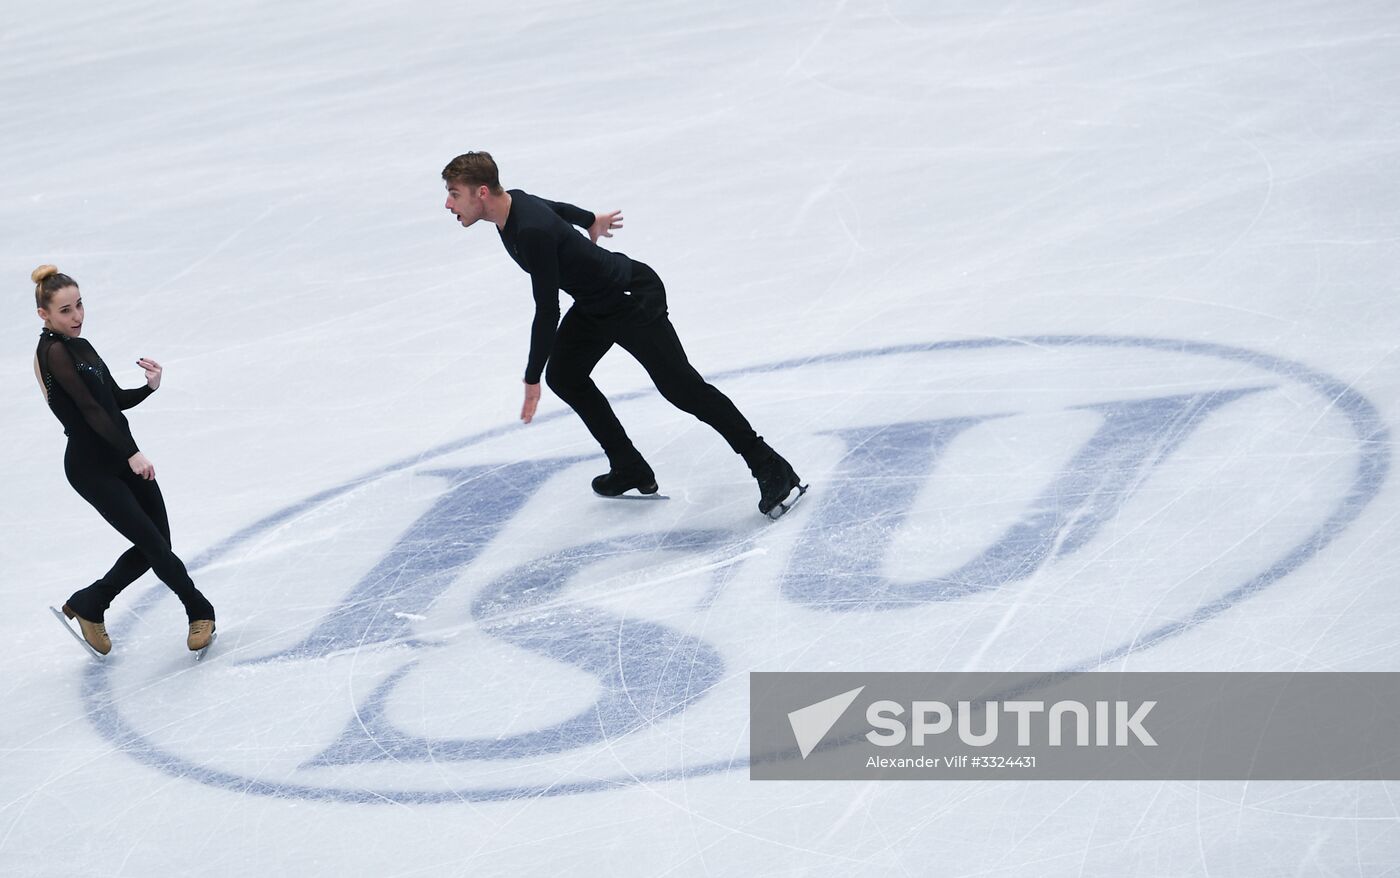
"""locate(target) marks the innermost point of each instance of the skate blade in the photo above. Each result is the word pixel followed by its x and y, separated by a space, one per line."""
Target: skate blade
pixel 631 496
pixel 199 654
pixel 783 508
pixel 77 635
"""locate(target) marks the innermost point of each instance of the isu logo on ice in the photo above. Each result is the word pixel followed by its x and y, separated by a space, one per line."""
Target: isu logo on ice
pixel 471 623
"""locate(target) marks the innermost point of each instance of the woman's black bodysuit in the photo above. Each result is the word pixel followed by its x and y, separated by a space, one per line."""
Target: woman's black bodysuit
pixel 89 404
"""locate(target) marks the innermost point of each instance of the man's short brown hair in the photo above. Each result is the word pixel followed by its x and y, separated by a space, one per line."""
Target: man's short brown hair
pixel 474 169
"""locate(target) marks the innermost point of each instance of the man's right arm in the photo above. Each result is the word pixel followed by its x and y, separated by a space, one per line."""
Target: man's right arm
pixel 542 257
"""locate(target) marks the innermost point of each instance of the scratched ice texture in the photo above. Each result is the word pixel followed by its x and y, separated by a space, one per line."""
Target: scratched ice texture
pixel 1080 319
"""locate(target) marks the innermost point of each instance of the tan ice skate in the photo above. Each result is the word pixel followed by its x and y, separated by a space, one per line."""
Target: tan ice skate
pixel 95 633
pixel 201 635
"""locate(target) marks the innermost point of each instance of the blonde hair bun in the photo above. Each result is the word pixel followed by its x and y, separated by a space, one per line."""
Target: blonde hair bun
pixel 44 271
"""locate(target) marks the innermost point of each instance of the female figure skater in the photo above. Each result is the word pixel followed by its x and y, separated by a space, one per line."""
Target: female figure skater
pixel 103 463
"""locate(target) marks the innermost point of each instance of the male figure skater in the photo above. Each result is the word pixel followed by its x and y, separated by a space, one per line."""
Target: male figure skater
pixel 617 301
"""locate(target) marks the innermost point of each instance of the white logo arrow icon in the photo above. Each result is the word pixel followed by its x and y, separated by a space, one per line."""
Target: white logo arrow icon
pixel 811 723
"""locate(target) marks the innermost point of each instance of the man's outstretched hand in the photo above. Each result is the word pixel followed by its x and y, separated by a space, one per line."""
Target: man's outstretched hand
pixel 532 402
pixel 603 224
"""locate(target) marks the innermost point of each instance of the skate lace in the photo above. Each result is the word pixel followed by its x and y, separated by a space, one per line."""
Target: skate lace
pixel 97 637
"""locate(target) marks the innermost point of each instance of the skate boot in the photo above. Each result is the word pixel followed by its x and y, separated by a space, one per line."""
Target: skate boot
pixel 95 633
pixel 623 477
pixel 201 632
pixel 778 485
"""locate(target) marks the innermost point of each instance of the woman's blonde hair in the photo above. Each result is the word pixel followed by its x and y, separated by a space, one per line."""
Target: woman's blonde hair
pixel 47 281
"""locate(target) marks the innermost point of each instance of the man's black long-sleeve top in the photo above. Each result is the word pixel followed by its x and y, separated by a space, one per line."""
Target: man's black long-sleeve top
pixel 539 237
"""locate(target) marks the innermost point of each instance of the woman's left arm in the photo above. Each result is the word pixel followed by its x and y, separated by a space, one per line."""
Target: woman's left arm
pixel 128 398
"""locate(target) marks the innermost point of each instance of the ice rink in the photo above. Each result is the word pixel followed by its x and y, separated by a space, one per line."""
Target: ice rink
pixel 1080 319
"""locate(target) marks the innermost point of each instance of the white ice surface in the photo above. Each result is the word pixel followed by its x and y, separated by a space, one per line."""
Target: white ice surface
pixel 248 192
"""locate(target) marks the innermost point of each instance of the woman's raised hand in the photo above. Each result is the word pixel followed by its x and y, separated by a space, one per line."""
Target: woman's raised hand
pixel 153 372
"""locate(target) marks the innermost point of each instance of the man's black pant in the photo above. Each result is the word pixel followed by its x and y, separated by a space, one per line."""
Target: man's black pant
pixel 136 509
pixel 644 331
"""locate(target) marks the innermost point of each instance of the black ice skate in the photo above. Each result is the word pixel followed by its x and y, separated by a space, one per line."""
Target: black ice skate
pixel 778 485
pixel 618 480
